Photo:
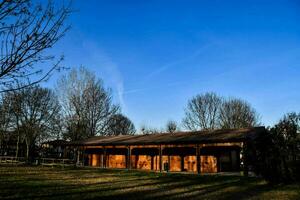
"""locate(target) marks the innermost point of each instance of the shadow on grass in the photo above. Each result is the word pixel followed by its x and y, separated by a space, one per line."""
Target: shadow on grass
pixel 51 183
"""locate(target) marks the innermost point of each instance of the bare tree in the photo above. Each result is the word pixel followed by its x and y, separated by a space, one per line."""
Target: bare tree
pixel 120 125
pixel 202 112
pixel 9 118
pixel 209 111
pixel 27 30
pixel 5 120
pixel 171 126
pixel 236 113
pixel 87 105
pixel 34 112
pixel 150 130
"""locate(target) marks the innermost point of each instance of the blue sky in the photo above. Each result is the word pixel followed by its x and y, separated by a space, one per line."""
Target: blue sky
pixel 156 55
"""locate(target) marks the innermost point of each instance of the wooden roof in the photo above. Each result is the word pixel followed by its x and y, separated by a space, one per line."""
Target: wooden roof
pixel 194 137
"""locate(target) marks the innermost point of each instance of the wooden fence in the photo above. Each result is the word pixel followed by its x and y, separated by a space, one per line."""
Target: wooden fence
pixel 56 162
pixel 12 160
pixel 41 161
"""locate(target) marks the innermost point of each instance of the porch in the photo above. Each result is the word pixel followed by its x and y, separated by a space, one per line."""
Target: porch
pixel 196 158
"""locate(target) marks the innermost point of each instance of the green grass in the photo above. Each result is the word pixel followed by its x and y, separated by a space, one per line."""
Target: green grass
pixel 87 183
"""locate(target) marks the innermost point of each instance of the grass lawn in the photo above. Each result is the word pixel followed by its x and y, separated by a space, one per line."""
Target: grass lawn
pixel 86 183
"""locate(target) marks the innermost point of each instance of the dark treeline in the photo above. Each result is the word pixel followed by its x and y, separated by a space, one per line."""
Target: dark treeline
pixel 79 108
pixel 277 152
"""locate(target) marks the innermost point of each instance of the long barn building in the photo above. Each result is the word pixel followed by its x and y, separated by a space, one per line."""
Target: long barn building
pixel 198 151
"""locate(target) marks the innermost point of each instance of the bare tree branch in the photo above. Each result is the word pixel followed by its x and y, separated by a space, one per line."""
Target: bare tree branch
pixel 236 113
pixel 171 126
pixel 27 31
pixel 202 112
pixel 87 105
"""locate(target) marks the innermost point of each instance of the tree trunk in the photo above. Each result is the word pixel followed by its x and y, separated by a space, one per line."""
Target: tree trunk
pixel 17 148
pixel 27 150
pixel 18 140
pixel 286 169
pixel 1 146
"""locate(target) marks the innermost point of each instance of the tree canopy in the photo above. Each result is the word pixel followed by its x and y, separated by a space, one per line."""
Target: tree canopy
pixel 209 111
pixel 34 114
pixel 86 104
pixel 120 125
pixel 277 155
pixel 171 126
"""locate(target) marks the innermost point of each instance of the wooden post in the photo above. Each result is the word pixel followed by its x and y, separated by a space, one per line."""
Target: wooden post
pixel 65 152
pixel 77 162
pixel 128 157
pixel 136 160
pixel 104 157
pixel 198 159
pixel 169 163
pixel 182 163
pixel 152 162
pixel 83 155
pixel 245 159
pixel 157 162
pixel 160 158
